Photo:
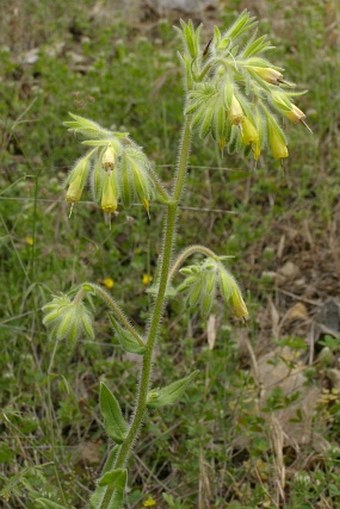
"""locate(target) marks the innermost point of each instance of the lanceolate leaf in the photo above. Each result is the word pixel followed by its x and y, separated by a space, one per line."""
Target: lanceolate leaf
pixel 116 478
pixel 127 340
pixel 171 393
pixel 114 421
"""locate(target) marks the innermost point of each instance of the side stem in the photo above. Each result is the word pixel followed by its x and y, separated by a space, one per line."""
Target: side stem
pixel 168 243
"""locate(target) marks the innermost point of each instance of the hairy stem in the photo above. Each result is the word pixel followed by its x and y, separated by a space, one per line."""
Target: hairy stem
pixel 188 251
pixel 168 244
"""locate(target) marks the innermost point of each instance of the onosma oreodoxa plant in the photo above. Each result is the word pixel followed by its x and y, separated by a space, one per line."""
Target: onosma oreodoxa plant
pixel 234 95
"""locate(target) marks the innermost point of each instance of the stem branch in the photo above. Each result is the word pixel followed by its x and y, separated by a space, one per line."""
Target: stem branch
pixel 112 304
pixel 188 251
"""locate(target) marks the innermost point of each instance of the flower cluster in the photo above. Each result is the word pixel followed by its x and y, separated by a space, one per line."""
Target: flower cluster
pixel 201 283
pixel 235 93
pixel 68 319
pixel 117 168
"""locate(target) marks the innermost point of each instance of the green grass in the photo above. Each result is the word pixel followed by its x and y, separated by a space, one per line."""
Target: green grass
pixel 214 449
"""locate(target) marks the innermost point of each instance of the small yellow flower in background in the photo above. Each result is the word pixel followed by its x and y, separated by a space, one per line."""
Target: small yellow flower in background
pixel 146 279
pixel 29 240
pixel 108 282
pixel 149 502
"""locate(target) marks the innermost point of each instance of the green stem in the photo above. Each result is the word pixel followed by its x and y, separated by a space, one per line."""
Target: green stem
pixel 158 308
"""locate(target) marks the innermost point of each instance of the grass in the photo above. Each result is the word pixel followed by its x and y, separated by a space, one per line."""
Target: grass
pixel 215 449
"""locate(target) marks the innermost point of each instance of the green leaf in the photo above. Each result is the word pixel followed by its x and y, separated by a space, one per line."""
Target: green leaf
pixel 171 393
pixel 127 340
pixel 114 422
pixel 116 479
pixel 48 504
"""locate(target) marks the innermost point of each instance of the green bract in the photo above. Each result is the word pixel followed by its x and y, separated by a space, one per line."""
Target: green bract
pixel 68 319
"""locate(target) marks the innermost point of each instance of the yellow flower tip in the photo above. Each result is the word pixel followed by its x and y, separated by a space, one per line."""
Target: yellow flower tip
pixel 149 502
pixel 108 159
pixel 108 282
pixel 295 114
pixel 75 190
pixel 29 240
pixel 146 279
pixel 146 205
pixel 239 306
pixel 236 113
pixel 269 74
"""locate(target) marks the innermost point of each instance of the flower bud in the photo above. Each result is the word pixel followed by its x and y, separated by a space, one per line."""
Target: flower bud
pixel 108 159
pixel 235 113
pixel 109 201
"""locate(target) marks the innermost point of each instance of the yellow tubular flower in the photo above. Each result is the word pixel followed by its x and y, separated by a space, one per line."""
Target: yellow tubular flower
pixel 268 74
pixel 75 189
pixel 108 159
pixel 236 113
pixel 249 132
pixel 277 145
pixel 250 135
pixel 238 304
pixel 109 197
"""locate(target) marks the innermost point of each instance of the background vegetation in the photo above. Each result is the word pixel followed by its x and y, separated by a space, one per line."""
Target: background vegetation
pixel 258 429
